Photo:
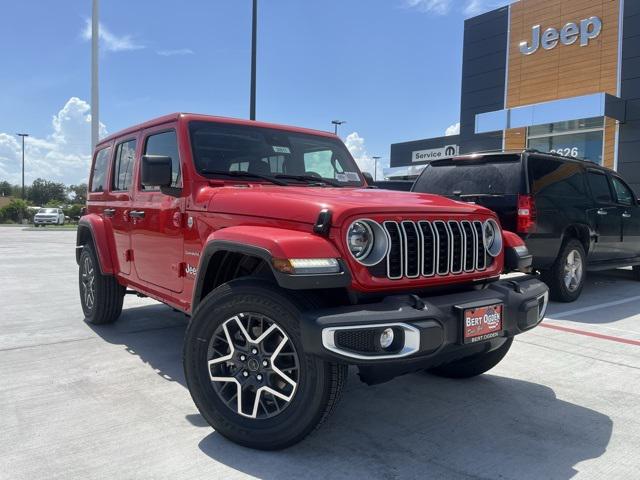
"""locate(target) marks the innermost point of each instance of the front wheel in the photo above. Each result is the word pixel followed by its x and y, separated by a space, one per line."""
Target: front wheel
pixel 101 295
pixel 474 365
pixel 567 275
pixel 247 370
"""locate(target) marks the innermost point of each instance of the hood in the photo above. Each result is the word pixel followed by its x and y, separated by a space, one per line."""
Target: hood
pixel 303 204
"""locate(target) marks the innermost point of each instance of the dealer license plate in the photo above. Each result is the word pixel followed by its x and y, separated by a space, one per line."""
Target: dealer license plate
pixel 482 323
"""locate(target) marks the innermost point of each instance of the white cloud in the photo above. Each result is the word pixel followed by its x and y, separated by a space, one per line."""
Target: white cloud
pixel 476 7
pixel 453 129
pixel 110 41
pixel 64 155
pixel 439 7
pixel 177 51
pixel 467 7
pixel 355 144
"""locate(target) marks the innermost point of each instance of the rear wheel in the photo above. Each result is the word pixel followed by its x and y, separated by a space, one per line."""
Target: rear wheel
pixel 247 370
pixel 567 275
pixel 474 365
pixel 101 295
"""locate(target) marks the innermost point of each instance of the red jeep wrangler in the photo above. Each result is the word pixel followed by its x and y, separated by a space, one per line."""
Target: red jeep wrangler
pixel 292 268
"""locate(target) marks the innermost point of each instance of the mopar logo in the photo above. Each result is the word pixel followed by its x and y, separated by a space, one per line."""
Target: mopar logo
pixel 588 29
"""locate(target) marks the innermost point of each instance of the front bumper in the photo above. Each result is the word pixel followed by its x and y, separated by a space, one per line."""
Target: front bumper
pixel 45 221
pixel 431 327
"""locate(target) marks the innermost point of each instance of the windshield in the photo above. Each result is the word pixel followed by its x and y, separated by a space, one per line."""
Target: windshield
pixel 488 175
pixel 48 210
pixel 274 153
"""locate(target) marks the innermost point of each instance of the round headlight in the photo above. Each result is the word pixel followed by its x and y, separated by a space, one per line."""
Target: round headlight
pixel 367 242
pixel 492 238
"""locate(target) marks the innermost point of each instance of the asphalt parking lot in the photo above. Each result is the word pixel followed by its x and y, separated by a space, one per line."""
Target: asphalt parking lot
pixel 110 402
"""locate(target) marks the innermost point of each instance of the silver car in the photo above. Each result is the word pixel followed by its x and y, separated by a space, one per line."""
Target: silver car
pixel 49 216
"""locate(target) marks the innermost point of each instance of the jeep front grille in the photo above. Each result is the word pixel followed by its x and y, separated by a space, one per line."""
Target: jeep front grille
pixel 426 249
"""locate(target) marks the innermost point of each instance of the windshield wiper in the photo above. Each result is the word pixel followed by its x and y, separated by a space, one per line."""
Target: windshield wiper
pixel 236 173
pixel 310 179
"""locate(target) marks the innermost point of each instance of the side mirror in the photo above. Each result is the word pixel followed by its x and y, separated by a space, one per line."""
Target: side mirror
pixel 368 177
pixel 156 171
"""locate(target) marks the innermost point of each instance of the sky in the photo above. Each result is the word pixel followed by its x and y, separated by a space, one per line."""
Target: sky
pixel 390 68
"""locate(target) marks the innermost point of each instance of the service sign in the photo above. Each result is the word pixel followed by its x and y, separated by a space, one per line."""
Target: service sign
pixel 434 153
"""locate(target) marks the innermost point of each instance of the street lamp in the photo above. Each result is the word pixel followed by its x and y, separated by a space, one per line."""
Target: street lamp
pixel 254 42
pixel 336 123
pixel 375 167
pixel 95 92
pixel 23 135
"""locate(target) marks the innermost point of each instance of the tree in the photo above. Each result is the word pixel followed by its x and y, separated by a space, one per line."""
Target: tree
pixel 5 189
pixel 78 193
pixel 43 191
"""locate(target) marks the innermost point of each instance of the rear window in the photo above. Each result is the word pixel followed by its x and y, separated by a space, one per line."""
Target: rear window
pixel 600 187
pixel 99 175
pixel 555 178
pixel 486 175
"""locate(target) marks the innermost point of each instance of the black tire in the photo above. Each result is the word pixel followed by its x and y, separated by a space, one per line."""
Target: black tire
pixel 474 365
pixel 319 383
pixel 636 273
pixel 555 276
pixel 104 302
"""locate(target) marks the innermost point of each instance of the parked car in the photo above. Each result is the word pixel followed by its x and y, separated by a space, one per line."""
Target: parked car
pixel 574 215
pixel 48 216
pixel 291 269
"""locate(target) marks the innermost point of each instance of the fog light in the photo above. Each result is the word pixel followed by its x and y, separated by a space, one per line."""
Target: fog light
pixel 386 338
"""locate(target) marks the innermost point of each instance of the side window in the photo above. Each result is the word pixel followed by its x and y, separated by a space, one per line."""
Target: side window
pixel 99 174
pixel 166 144
pixel 555 178
pixel 599 187
pixel 123 165
pixel 320 162
pixel 623 193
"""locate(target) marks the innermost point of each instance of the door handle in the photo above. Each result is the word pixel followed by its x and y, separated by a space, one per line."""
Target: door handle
pixel 136 214
pixel 602 212
pixel 109 212
pixel 626 215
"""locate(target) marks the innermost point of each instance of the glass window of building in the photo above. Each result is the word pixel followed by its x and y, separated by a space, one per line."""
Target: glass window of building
pixel 576 138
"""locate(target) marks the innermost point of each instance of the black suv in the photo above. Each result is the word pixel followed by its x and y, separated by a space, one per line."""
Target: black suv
pixel 573 215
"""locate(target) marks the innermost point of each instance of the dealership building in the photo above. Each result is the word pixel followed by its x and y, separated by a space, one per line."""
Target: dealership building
pixel 550 75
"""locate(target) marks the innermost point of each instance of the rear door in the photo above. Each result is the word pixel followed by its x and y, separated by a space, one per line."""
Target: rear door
pixel 628 204
pixel 157 222
pixel 606 216
pixel 120 200
pixel 494 181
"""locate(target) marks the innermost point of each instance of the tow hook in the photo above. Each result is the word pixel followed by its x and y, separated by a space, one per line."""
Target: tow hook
pixel 418 304
pixel 516 286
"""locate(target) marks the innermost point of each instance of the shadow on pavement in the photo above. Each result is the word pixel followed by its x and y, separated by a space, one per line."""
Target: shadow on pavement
pixel 416 426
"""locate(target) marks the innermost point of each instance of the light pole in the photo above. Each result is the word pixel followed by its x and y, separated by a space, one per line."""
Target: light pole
pixel 375 167
pixel 95 96
pixel 254 46
pixel 336 123
pixel 23 135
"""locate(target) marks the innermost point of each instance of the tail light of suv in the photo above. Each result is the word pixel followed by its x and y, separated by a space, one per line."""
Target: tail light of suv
pixel 526 214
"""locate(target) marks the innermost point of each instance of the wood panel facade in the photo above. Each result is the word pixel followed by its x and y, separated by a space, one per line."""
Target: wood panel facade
pixel 566 70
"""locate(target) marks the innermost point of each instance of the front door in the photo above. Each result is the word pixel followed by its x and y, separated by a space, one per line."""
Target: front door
pixel 157 219
pixel 628 204
pixel 606 216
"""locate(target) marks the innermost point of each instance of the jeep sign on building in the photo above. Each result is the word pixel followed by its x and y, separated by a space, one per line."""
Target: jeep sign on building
pixel 552 75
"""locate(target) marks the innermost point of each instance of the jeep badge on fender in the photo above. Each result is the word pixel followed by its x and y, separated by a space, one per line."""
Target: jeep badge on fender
pixel 291 269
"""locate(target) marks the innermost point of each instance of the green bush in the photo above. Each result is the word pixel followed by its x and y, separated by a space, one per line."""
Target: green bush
pixel 16 211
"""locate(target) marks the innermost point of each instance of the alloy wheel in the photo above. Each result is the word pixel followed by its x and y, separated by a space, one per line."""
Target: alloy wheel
pixel 253 366
pixel 573 270
pixel 88 283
